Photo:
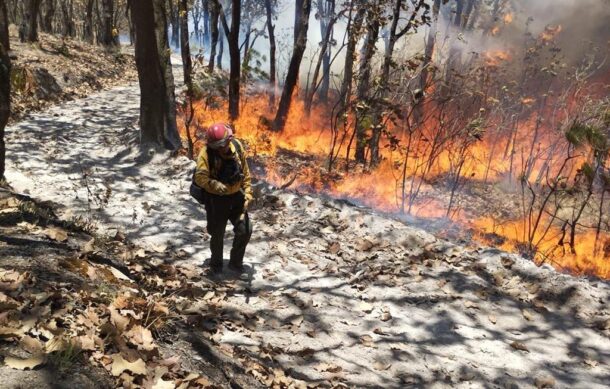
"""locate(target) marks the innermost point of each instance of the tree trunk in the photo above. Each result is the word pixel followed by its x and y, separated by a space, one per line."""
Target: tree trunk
pixel 321 58
pixel 108 38
pixel 67 10
pixel 235 67
pixel 214 14
pixel 88 25
pixel 430 44
pixel 272 48
pixel 157 100
pixel 326 29
pixel 221 48
pixel 353 37
pixel 173 16
pixel 29 26
pixel 393 37
pixel 187 64
pixel 4 37
pixel 364 81
pixel 47 16
pixel 293 69
pixel 5 83
pixel 206 21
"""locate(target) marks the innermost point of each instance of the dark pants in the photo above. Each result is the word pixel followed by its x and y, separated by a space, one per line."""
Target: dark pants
pixel 219 210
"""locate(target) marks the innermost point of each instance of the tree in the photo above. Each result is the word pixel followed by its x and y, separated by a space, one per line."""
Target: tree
pixel 187 67
pixel 214 8
pixel 326 9
pixel 4 37
pixel 295 64
pixel 394 35
pixel 354 31
pixel 269 9
pixel 324 57
pixel 29 24
pixel 234 53
pixel 157 99
pixel 48 13
pixel 108 38
pixel 374 15
pixel 67 10
pixel 5 82
pixel 174 19
pixel 88 25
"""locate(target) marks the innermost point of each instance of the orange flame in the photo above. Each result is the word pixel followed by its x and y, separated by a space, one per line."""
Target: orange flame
pixel 550 32
pixel 489 160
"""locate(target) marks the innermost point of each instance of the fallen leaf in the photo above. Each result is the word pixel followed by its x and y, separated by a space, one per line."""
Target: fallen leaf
pixel 31 345
pixel 119 365
pixel 380 331
pixel 22 364
pixel 367 341
pixel 120 322
pixel 365 307
pixel 141 337
pixel 519 346
pixel 528 315
pixel 381 366
pixel 470 304
pixel 56 234
pixel 328 367
pixel 88 246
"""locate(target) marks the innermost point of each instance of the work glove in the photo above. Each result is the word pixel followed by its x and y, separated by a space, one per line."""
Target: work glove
pixel 218 187
pixel 247 200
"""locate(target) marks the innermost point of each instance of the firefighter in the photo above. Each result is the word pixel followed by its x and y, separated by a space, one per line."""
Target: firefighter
pixel 223 174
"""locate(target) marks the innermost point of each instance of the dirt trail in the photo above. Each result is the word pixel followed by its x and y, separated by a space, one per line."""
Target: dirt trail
pixel 334 294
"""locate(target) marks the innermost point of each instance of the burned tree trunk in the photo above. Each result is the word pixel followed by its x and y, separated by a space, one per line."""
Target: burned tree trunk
pixel 173 16
pixel 187 64
pixel 47 16
pixel 67 10
pixel 214 14
pixel 88 25
pixel 157 100
pixel 29 24
pixel 108 38
pixel 234 53
pixel 272 49
pixel 187 67
pixel 5 83
pixel 4 37
pixel 293 69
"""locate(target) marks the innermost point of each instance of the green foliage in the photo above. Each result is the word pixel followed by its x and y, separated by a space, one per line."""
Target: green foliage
pixel 580 134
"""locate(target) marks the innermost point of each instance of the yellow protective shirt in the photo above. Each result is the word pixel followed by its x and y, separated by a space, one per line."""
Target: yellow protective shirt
pixel 204 177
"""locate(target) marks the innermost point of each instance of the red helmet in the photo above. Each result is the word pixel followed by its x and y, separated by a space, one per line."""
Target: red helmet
pixel 219 135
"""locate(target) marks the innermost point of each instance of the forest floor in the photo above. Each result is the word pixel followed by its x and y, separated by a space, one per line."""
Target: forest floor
pixel 56 69
pixel 334 294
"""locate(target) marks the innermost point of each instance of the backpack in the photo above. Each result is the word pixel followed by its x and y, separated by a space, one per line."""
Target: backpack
pixel 230 173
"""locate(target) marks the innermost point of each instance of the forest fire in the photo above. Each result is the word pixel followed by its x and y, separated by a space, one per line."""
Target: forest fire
pixel 381 188
pixel 518 121
pixel 496 57
pixel 550 33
